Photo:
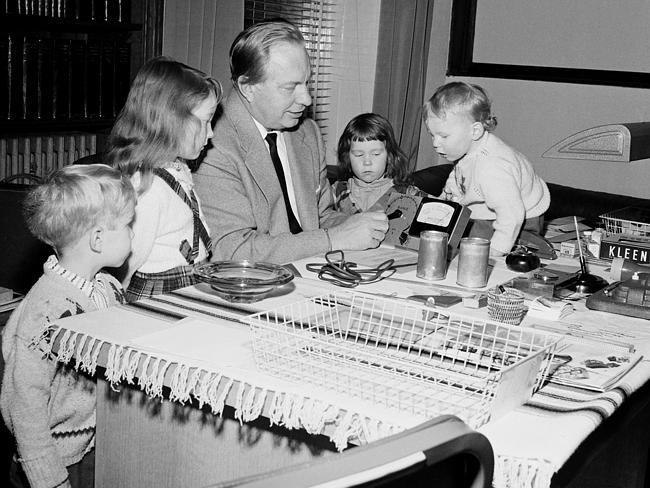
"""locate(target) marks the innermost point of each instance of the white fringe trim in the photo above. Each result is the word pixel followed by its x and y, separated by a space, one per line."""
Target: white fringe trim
pixel 290 410
pixel 510 472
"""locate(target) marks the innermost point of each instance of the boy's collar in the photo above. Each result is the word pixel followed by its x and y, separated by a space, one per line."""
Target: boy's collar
pixel 478 145
pixel 87 287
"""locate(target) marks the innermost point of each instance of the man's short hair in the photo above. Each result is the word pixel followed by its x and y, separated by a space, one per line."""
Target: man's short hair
pixel 249 53
pixel 76 198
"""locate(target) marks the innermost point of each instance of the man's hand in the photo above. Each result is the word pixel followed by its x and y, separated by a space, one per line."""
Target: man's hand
pixel 359 231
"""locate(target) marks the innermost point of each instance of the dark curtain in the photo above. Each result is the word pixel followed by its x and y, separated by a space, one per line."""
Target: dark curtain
pixel 404 32
pixel 152 29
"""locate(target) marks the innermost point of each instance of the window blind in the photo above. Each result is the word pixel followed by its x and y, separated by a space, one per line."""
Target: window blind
pixel 317 22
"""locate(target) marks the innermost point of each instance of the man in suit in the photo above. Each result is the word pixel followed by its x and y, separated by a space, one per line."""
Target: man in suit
pixel 263 185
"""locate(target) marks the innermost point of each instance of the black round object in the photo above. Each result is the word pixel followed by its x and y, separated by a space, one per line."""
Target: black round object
pixel 587 283
pixel 522 260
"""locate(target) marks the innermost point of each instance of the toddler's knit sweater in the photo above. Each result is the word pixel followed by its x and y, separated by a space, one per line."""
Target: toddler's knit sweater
pixel 49 407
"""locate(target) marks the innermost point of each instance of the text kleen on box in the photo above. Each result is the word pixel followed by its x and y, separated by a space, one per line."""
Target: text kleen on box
pixel 636 251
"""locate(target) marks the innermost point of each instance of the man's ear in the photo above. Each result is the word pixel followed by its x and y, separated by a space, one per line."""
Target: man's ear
pixel 477 131
pixel 97 239
pixel 246 89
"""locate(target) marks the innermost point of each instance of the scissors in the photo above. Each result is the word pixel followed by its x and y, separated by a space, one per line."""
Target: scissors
pixel 346 273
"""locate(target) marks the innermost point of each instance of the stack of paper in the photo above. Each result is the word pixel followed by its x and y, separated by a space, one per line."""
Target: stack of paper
pixel 549 308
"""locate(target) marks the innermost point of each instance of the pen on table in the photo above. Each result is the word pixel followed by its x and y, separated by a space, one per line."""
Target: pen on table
pixel 609 288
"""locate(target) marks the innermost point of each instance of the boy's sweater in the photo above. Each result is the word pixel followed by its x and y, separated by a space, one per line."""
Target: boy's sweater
pixel 498 183
pixel 49 407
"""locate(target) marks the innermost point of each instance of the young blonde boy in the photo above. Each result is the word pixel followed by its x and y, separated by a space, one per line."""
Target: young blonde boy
pixel 84 212
pixel 496 182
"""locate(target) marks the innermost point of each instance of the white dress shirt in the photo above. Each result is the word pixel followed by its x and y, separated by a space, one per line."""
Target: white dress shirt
pixel 284 159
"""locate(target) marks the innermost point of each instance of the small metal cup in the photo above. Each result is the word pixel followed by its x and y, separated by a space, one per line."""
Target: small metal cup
pixel 432 255
pixel 473 262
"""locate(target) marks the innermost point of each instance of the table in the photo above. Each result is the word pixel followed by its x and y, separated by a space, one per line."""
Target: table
pixel 554 440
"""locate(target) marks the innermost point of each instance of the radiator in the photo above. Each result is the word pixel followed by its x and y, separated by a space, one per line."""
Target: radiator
pixel 28 159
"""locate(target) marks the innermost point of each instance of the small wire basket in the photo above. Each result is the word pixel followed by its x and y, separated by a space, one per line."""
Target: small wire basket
pixel 629 221
pixel 506 306
pixel 403 355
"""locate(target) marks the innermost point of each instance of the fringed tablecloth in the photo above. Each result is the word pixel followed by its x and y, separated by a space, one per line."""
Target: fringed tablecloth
pixel 532 442
pixel 211 360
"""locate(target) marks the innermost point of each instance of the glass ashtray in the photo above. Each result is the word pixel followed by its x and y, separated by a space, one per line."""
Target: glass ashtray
pixel 242 281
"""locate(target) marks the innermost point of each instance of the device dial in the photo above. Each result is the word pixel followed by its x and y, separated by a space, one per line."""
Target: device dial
pixel 401 210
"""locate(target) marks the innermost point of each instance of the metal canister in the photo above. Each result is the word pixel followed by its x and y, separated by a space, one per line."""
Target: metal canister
pixel 473 262
pixel 432 255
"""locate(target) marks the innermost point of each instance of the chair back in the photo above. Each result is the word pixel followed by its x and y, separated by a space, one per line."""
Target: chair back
pixel 432 179
pixel 443 452
pixel 21 254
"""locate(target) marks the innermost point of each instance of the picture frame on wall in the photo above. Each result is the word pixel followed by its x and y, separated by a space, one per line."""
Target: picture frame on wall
pixel 595 46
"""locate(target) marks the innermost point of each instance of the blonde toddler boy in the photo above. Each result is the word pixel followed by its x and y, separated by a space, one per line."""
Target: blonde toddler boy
pixel 84 212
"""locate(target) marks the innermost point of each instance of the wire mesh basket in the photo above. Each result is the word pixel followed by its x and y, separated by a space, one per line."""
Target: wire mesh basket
pixel 403 355
pixel 629 221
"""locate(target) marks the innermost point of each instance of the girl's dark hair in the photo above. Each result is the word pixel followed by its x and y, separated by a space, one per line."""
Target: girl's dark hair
pixel 157 116
pixel 373 127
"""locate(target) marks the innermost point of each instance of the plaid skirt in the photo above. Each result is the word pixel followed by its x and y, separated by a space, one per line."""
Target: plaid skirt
pixel 144 285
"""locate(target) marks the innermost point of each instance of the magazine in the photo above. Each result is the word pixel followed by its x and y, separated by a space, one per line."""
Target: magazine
pixel 592 365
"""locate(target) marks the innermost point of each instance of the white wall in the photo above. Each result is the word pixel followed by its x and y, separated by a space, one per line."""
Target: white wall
pixel 533 116
pixel 592 34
